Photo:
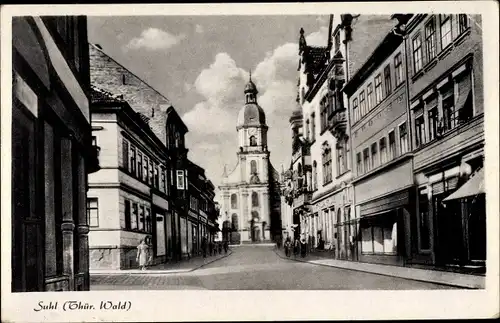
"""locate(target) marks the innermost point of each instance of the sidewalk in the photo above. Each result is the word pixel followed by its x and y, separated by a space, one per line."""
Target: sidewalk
pixel 431 276
pixel 182 266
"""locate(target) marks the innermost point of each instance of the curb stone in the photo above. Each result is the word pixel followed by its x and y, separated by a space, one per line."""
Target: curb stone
pixel 376 273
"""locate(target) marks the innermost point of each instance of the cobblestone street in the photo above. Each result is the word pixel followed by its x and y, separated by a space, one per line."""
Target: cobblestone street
pixel 258 268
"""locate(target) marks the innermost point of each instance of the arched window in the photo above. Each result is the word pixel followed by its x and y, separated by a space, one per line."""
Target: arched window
pixel 253 141
pixel 315 176
pixel 253 167
pixel 255 199
pixel 234 221
pixel 327 163
pixel 234 201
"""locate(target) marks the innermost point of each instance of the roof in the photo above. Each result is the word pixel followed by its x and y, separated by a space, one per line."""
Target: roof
pixel 98 95
pixel 251 115
pixel 317 57
pixel 250 87
pixel 172 113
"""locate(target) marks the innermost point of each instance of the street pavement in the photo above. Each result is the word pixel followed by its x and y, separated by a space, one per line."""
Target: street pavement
pixel 258 268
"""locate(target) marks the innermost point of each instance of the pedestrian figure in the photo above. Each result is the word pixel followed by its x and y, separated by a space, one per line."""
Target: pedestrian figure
pixel 303 247
pixel 296 247
pixel 288 245
pixel 225 246
pixel 220 247
pixel 210 246
pixel 142 254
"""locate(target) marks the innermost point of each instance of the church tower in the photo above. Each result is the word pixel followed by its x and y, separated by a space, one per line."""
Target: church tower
pixel 248 206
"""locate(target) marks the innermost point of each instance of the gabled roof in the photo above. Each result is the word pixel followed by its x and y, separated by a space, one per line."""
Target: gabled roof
pixel 173 116
pixel 98 95
pixel 317 57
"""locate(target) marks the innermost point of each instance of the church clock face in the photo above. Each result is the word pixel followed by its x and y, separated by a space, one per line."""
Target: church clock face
pixel 252 131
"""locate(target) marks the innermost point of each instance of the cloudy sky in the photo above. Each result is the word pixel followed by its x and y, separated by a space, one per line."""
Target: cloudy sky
pixel 201 65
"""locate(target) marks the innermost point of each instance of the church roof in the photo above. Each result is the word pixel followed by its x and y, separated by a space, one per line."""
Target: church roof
pixel 317 58
pixel 251 87
pixel 251 115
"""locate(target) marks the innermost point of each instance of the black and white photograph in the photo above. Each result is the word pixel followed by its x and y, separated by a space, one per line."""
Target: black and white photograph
pixel 329 150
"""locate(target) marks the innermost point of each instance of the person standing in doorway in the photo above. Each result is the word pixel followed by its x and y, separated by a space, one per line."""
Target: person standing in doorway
pixel 142 254
pixel 204 246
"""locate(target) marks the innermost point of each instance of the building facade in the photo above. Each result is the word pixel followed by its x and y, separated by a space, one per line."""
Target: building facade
pixel 250 193
pixel 383 172
pixel 128 197
pixel 447 120
pixel 52 153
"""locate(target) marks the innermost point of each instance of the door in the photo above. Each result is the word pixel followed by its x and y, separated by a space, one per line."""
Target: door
pixel 27 242
pixel 160 235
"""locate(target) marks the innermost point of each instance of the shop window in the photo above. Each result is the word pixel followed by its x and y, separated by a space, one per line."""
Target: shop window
pixel 398 69
pixel 430 38
pixel 423 214
pixel 445 30
pixel 417 54
pixel 93 211
pixel 379 95
pixel 387 80
pixel 403 138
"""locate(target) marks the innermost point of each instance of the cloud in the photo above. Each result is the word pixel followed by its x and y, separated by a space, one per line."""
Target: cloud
pixel 199 29
pixel 318 38
pixel 154 39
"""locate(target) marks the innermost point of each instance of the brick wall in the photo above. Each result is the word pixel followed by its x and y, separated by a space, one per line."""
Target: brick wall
pixel 107 74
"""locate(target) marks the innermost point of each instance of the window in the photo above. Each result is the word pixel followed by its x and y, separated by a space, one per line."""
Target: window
pixel 374 155
pixel 423 213
pixel 417 54
pixel 125 151
pixel 392 145
pixel 255 199
pixel 433 123
pixel 132 160
pixel 362 103
pixel 378 89
pixel 253 141
pixel 142 220
pixel 148 221
pixel 445 30
pixel 234 201
pixel 313 127
pixel 163 186
pixel 157 176
pixel 151 172
pixel 387 80
pixel 355 110
pixel 448 107
pixel 366 160
pixel 307 129
pixel 359 164
pixel 133 218
pixel 403 138
pixel 341 163
pixel 315 176
pixel 146 169
pixel 128 215
pixel 139 165
pixel 419 130
pixel 323 114
pixel 93 212
pixel 430 39
pixel 464 106
pixel 369 96
pixel 398 68
pixel 253 167
pixel 463 23
pixel 327 164
pixel 180 179
pixel 383 150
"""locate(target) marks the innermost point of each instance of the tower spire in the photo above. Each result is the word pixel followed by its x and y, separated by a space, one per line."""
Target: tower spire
pixel 250 75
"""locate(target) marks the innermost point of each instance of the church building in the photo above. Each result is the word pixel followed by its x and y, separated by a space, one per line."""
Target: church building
pixel 250 193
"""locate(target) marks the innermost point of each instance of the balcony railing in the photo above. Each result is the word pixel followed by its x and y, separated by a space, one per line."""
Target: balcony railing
pixel 338 122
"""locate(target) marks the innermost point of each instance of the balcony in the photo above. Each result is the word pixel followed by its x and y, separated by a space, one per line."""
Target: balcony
pixel 338 122
pixel 93 159
pixel 301 197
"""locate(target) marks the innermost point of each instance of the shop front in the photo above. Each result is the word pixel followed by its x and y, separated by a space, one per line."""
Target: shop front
pixel 160 231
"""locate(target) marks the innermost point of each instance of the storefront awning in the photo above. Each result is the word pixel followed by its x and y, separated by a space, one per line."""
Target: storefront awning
pixel 474 186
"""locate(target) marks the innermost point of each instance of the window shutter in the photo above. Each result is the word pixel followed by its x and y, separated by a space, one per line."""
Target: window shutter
pixel 437 188
pixel 452 183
